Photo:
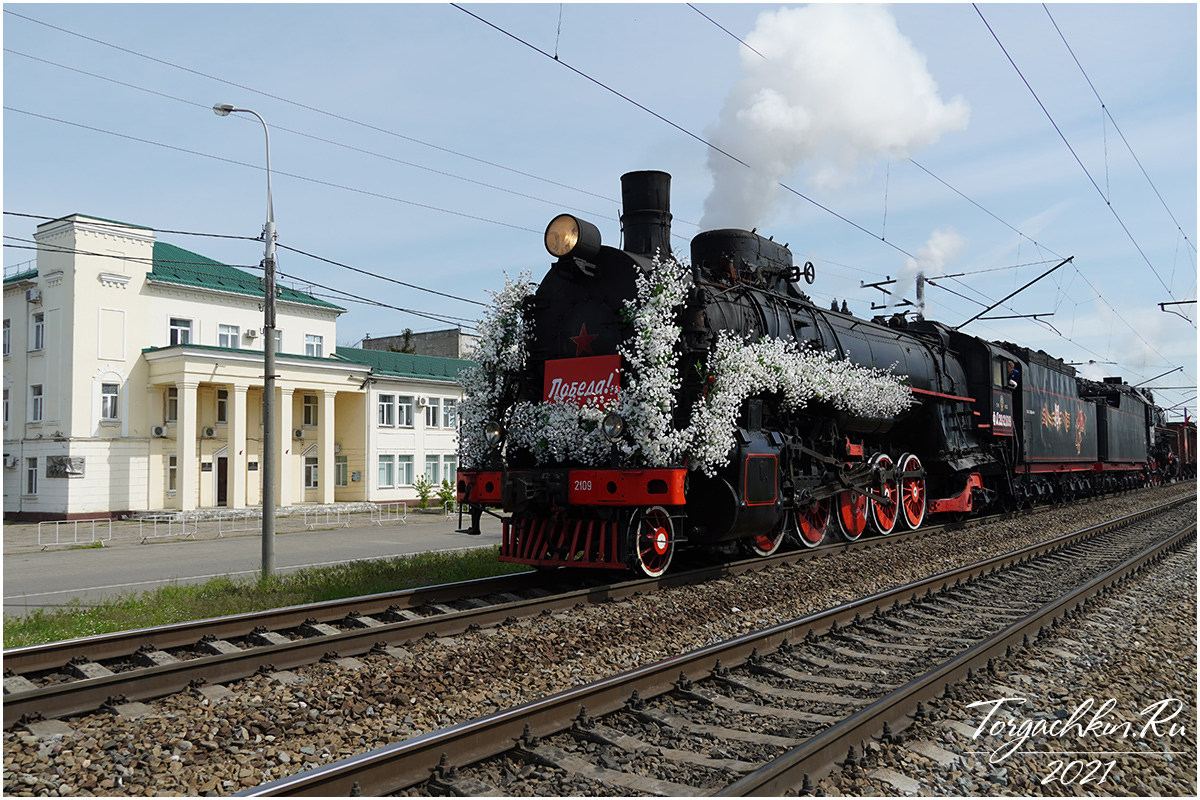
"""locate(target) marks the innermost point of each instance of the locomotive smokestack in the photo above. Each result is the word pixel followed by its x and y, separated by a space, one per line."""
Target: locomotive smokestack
pixel 646 221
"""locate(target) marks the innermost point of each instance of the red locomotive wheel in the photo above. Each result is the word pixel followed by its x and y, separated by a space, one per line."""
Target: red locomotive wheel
pixel 767 543
pixel 912 492
pixel 883 515
pixel 851 515
pixel 812 523
pixel 653 539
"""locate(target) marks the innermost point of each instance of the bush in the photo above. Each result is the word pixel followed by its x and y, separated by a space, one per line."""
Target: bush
pixel 424 489
pixel 447 493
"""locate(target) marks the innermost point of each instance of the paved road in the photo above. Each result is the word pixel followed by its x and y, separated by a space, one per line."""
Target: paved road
pixel 48 579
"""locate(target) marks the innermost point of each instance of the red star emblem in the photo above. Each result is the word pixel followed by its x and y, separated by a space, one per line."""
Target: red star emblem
pixel 583 342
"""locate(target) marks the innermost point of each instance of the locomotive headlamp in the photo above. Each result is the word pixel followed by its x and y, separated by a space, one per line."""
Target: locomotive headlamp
pixel 570 236
pixel 493 432
pixel 612 426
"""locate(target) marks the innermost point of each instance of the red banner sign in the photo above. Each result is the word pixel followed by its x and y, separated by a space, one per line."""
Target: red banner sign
pixel 583 380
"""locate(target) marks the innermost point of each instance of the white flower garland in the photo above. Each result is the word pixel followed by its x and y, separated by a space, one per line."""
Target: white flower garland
pixel 562 432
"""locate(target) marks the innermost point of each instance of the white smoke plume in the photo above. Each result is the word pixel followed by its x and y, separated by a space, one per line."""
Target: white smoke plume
pixel 837 86
pixel 944 245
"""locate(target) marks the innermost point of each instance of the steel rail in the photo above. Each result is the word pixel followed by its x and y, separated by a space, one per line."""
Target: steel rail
pixel 394 767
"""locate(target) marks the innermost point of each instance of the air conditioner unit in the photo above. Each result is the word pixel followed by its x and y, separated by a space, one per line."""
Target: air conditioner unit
pixel 252 333
pixel 10 462
pixel 337 448
pixel 210 433
pixel 298 433
pixel 33 295
pixel 422 401
pixel 159 431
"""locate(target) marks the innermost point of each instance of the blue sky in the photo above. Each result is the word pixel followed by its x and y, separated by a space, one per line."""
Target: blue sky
pixel 419 143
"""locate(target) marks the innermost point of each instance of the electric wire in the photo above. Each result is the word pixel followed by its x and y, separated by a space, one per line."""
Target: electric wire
pixel 1117 128
pixel 1053 123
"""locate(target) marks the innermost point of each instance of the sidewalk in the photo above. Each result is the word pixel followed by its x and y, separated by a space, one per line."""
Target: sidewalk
pixel 23 537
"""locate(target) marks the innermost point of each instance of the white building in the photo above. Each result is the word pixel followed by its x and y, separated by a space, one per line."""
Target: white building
pixel 133 382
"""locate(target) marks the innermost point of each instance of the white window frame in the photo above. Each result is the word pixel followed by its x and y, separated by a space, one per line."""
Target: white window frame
pixel 31 475
pixel 37 335
pixel 435 477
pixel 110 402
pixel 179 330
pixel 388 460
pixel 36 402
pixel 172 473
pixel 341 471
pixel 6 408
pixel 404 411
pixel 222 406
pixel 228 336
pixel 7 336
pixel 312 468
pixel 386 416
pixel 450 468
pixel 314 345
pixel 171 404
pixel 404 470
pixel 449 413
pixel 278 341
pixel 433 412
pixel 311 408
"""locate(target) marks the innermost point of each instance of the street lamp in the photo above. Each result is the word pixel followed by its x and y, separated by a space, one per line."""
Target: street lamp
pixel 268 455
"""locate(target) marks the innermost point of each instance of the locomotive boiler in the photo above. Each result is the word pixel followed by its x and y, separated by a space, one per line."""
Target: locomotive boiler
pixel 969 432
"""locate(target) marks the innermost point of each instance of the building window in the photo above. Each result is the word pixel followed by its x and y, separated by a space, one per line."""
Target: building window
pixel 171 412
pixel 7 336
pixel 172 472
pixel 313 345
pixel 387 471
pixel 35 403
pixel 404 470
pixel 431 412
pixel 110 401
pixel 311 411
pixel 222 405
pixel 38 339
pixel 450 468
pixel 387 410
pixel 31 476
pixel 227 336
pixel 311 471
pixel 433 469
pixel 341 471
pixel 404 411
pixel 6 407
pixel 449 413
pixel 278 341
pixel 181 330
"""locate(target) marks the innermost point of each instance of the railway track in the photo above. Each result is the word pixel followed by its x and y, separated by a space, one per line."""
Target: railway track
pixel 77 676
pixel 771 711
pixel 111 671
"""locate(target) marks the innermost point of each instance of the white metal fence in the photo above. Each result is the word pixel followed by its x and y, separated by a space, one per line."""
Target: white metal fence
pixel 52 532
pixel 388 513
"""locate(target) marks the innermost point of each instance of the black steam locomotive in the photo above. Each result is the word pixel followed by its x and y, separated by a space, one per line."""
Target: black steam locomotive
pixel 989 424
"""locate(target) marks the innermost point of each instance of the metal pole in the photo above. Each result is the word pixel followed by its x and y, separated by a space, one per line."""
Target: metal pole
pixel 267 459
pixel 1013 294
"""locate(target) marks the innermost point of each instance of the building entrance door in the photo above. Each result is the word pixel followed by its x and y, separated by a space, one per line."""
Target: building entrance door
pixel 222 480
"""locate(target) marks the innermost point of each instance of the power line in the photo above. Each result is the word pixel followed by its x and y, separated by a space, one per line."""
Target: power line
pixel 1117 128
pixel 317 181
pixel 1100 191
pixel 105 223
pixel 722 27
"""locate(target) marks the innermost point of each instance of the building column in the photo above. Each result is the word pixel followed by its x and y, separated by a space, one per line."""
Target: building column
pixel 284 483
pixel 186 446
pixel 156 489
pixel 325 452
pixel 237 450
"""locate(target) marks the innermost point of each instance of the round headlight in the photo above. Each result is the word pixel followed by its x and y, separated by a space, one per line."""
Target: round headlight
pixel 612 426
pixel 567 235
pixel 493 432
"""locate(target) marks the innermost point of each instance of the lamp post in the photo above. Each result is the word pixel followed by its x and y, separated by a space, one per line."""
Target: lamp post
pixel 267 475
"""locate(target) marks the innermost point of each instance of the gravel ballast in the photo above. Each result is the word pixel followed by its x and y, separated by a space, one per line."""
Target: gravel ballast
pixel 273 726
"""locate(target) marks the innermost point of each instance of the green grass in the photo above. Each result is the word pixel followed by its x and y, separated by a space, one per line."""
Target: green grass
pixel 223 596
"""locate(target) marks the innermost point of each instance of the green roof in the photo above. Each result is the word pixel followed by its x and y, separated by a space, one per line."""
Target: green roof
pixel 175 265
pixel 238 351
pixel 22 276
pixel 406 365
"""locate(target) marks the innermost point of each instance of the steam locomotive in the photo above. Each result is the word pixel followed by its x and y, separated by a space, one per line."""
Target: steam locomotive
pixel 989 424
